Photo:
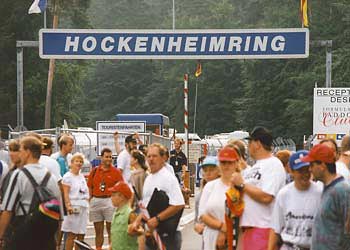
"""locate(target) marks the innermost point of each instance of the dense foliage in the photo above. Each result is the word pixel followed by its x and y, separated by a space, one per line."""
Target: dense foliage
pixel 232 94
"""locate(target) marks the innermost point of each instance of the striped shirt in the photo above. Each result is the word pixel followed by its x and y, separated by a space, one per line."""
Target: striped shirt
pixel 21 190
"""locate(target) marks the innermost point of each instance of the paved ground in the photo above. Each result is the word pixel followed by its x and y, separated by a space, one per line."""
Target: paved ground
pixel 191 240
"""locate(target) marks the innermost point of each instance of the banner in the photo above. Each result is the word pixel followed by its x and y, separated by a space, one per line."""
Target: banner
pixel 178 44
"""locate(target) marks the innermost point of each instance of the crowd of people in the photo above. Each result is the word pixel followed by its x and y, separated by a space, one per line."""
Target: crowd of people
pixel 285 200
pixel 291 200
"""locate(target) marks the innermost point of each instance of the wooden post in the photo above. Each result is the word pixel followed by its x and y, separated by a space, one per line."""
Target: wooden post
pixel 51 73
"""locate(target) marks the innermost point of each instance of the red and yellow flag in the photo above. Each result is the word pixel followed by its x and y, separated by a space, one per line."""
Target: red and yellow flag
pixel 303 13
pixel 198 70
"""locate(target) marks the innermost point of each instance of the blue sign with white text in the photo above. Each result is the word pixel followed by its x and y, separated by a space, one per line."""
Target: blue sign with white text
pixel 178 44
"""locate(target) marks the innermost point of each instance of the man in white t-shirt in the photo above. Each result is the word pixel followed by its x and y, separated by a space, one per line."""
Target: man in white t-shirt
pixel 261 184
pixel 123 160
pixel 161 179
pixel 295 208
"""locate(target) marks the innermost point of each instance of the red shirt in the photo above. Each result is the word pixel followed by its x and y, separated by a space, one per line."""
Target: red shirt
pixel 100 180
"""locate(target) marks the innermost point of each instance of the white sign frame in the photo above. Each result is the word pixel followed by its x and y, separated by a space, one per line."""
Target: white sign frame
pixel 331 113
pixel 107 140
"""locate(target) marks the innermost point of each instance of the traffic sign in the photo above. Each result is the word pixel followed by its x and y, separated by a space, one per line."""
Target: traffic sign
pixel 174 44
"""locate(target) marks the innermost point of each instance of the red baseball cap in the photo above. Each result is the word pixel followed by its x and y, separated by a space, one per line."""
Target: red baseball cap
pixel 123 188
pixel 320 152
pixel 228 154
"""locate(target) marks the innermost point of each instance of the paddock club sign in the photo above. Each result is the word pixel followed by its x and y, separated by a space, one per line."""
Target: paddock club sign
pixel 177 44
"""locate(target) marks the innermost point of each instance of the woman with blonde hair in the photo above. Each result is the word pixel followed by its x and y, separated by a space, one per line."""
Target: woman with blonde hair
pixel 210 171
pixel 212 202
pixel 76 195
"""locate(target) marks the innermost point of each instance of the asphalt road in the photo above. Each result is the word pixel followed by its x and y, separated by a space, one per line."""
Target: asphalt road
pixel 190 239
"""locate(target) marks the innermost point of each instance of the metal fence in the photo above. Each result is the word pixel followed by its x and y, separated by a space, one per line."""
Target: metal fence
pixel 86 140
pixel 280 144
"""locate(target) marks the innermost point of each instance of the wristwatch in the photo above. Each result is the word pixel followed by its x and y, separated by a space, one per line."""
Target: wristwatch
pixel 240 187
pixel 158 218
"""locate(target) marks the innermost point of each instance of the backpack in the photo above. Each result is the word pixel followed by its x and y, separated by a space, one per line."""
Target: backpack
pixel 40 223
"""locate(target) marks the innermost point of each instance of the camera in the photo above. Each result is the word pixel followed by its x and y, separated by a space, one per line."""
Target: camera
pixel 76 210
pixel 102 186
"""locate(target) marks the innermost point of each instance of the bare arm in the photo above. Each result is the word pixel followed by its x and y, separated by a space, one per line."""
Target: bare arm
pixel 213 222
pixel 257 194
pixel 66 190
pixel 165 214
pixel 254 192
pixel 4 222
pixel 138 139
pixel 116 142
pixel 273 240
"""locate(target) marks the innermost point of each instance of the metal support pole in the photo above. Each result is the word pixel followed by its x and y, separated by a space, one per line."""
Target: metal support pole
pixel 328 67
pixel 173 14
pixel 186 113
pixel 20 88
pixel 195 108
pixel 328 45
pixel 45 25
pixel 19 51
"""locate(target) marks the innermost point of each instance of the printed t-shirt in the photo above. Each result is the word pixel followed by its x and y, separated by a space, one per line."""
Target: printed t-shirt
pixel 269 175
pixel 294 213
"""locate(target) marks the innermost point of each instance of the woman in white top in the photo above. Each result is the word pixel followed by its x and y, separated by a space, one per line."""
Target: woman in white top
pixel 212 203
pixel 76 194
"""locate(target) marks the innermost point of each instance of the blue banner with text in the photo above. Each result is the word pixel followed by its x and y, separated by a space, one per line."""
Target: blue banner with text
pixel 177 44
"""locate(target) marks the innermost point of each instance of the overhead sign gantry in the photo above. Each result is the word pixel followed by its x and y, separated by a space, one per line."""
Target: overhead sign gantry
pixel 174 44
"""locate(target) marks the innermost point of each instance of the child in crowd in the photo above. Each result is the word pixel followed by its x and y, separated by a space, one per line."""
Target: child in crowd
pixel 123 238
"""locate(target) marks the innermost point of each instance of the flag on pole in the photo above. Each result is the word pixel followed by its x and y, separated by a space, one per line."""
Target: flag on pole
pixel 38 6
pixel 303 13
pixel 198 70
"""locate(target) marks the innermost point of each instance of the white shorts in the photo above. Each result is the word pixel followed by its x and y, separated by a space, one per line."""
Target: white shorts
pixel 76 223
pixel 101 209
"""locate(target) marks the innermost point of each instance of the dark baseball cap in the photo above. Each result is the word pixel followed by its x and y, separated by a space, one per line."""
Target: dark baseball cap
pixel 130 138
pixel 261 134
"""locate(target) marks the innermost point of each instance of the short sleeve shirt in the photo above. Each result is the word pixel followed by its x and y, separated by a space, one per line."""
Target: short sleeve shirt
pixel 78 189
pixel 51 165
pixel 165 181
pixel 269 176
pixel 99 177
pixel 123 162
pixel 294 213
pixel 21 190
pixel 177 160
